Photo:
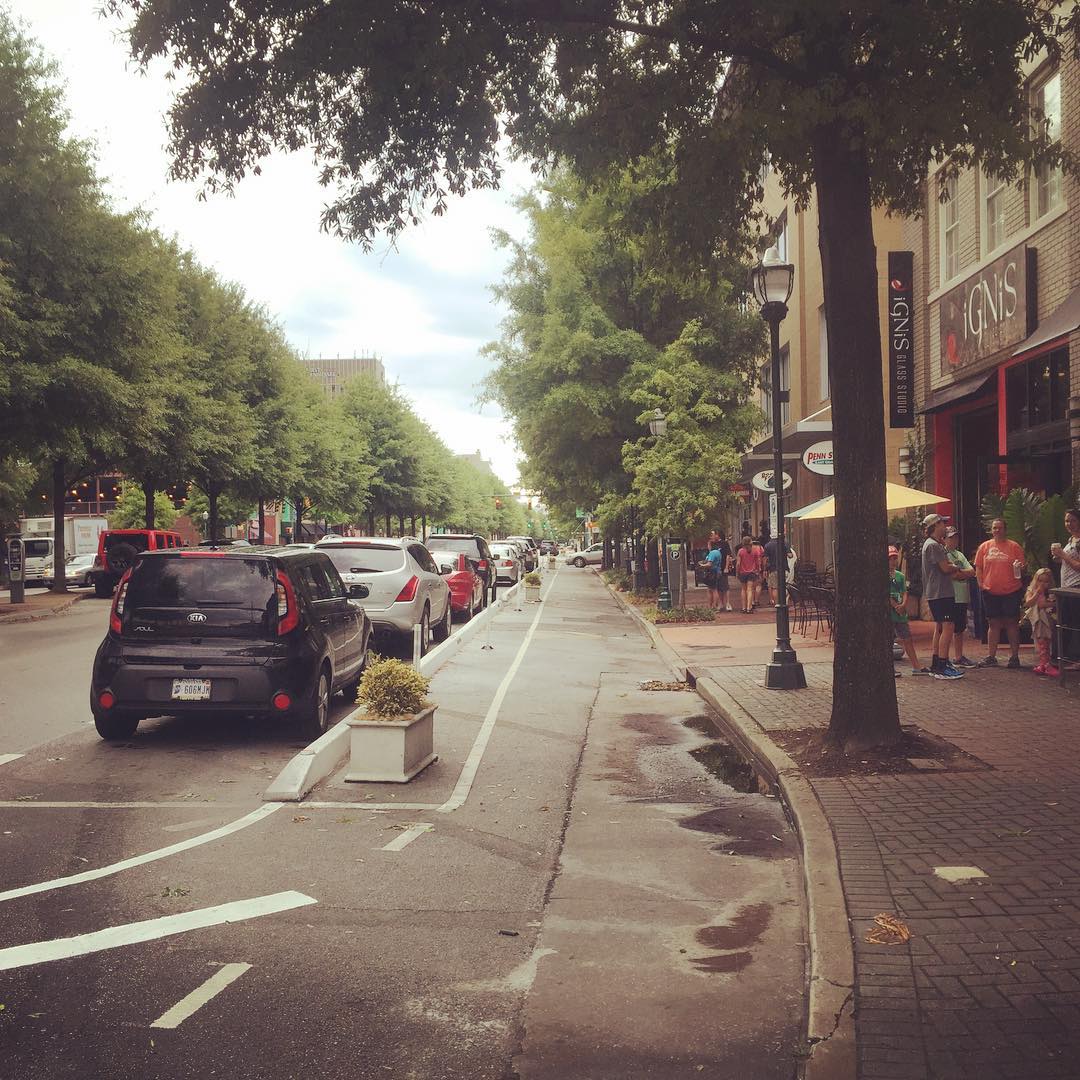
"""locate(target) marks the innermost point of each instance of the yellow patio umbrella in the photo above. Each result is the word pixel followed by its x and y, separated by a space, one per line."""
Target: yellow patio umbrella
pixel 897 497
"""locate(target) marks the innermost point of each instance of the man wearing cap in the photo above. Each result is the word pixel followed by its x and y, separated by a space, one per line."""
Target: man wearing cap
pixel 961 594
pixel 937 573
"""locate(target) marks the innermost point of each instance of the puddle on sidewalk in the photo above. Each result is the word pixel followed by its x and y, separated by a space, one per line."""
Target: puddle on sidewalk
pixel 731 944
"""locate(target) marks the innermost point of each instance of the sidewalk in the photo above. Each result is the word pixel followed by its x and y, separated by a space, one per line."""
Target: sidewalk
pixel 990 979
pixel 39 604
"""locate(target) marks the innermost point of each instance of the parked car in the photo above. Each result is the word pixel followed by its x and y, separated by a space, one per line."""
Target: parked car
pixel 532 553
pixel 404 586
pixel 549 547
pixel 508 562
pixel 476 548
pixel 231 631
pixel 466 585
pixel 119 548
pixel 77 571
pixel 591 556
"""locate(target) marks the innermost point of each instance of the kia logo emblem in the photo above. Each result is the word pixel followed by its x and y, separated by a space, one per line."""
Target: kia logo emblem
pixel 196 616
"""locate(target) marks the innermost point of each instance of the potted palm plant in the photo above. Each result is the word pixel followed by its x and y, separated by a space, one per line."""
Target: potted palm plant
pixel 394 739
pixel 532 587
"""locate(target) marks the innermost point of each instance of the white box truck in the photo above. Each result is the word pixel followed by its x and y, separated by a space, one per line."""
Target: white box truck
pixel 80 538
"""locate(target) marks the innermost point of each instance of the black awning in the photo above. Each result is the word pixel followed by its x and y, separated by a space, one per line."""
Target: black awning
pixel 956 392
pixel 1062 322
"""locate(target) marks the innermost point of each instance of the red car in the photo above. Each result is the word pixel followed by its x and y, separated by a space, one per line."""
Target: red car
pixel 466 585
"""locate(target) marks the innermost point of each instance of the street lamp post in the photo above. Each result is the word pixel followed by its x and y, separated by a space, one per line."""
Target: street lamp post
pixel 772 281
pixel 658 428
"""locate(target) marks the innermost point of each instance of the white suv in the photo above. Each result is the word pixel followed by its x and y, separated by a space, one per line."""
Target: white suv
pixel 405 588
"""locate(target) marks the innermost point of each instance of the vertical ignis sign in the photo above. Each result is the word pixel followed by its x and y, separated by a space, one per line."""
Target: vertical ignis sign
pixel 901 340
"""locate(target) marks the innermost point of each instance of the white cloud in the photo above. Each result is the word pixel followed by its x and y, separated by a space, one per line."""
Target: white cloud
pixel 425 308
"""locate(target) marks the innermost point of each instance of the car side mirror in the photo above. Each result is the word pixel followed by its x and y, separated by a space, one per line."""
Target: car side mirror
pixel 358 592
pixel 445 570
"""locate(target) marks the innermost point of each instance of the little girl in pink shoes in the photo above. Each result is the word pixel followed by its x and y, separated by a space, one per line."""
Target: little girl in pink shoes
pixel 1039 611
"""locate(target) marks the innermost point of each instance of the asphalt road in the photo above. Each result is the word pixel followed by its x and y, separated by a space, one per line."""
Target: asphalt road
pixel 573 894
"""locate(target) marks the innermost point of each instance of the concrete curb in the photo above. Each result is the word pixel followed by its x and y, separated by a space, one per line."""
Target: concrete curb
pixel 36 616
pixel 318 760
pixel 831 1007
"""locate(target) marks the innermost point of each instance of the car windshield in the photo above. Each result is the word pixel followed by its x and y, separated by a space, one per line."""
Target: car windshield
pixel 364 558
pixel 448 543
pixel 503 549
pixel 35 549
pixel 190 581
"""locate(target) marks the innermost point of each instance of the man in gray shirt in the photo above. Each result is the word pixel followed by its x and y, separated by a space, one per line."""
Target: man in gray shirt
pixel 937 574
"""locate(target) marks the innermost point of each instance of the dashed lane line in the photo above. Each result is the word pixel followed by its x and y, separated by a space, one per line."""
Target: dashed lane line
pixel 5 758
pixel 32 802
pixel 413 832
pixel 198 997
pixel 41 952
pixel 150 856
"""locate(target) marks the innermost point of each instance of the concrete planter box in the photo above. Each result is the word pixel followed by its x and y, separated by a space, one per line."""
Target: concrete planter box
pixel 391 751
pixel 532 594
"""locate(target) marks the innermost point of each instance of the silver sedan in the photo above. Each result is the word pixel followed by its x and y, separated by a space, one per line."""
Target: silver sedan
pixel 591 556
pixel 508 562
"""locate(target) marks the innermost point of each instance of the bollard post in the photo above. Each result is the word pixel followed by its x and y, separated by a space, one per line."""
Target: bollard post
pixel 416 644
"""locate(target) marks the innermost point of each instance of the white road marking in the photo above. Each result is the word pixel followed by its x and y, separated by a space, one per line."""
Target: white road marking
pixel 150 856
pixel 198 997
pixel 40 952
pixel 476 754
pixel 5 758
pixel 30 804
pixel 376 807
pixel 408 836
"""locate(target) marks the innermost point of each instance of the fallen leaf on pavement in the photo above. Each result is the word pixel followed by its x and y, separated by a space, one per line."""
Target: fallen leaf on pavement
pixel 890 930
pixel 301 817
pixel 509 933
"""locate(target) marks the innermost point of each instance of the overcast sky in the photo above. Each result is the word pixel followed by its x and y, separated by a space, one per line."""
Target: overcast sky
pixel 424 309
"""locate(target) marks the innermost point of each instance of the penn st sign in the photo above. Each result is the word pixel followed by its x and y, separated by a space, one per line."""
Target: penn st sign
pixel 986 313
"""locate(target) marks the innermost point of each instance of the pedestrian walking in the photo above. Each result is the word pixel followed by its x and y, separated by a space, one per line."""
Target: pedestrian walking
pixel 1069 555
pixel 937 574
pixel 999 564
pixel 1039 611
pixel 717 564
pixel 748 570
pixel 961 582
pixel 899 615
pixel 772 564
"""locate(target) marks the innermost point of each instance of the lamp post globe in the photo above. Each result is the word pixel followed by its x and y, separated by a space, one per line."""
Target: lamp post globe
pixel 772 281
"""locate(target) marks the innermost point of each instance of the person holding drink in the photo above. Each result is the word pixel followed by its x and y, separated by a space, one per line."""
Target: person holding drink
pixel 999 567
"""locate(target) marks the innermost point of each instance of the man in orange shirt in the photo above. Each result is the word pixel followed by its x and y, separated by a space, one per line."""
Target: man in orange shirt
pixel 999 566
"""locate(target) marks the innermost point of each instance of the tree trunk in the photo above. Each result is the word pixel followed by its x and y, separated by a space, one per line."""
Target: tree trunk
pixel 401 524
pixel 148 504
pixel 371 522
pixel 298 516
pixel 389 527
pixel 59 490
pixel 262 520
pixel 652 573
pixel 864 711
pixel 212 499
pixel 423 528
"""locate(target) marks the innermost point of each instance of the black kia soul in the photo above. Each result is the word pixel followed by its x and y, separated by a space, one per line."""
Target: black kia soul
pixel 238 631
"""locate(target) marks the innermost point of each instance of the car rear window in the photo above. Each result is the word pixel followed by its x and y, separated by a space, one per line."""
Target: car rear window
pixel 202 582
pixel 139 541
pixel 364 558
pixel 35 549
pixel 446 543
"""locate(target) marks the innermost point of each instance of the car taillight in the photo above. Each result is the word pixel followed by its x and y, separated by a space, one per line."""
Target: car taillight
pixel 287 610
pixel 482 564
pixel 281 701
pixel 116 616
pixel 409 591
pixel 106 699
pixel 508 562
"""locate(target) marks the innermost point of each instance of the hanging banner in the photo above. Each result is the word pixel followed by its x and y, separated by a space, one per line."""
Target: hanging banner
pixel 901 340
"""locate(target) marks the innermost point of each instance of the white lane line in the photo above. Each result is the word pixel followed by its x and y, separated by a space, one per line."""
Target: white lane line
pixel 377 806
pixel 476 754
pixel 5 758
pixel 43 804
pixel 41 952
pixel 150 856
pixel 408 836
pixel 198 997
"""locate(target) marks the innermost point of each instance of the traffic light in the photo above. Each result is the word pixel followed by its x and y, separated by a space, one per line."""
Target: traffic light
pixel 498 504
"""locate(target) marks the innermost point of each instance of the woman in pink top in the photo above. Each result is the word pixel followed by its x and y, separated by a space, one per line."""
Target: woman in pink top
pixel 748 568
pixel 999 566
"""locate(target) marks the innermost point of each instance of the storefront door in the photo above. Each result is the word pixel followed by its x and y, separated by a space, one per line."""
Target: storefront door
pixel 976 435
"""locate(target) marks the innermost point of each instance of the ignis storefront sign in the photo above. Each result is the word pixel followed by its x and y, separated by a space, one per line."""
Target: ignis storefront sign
pixel 986 313
pixel 818 458
pixel 901 340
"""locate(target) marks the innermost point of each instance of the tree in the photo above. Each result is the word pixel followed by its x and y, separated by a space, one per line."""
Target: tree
pixel 130 512
pixel 406 103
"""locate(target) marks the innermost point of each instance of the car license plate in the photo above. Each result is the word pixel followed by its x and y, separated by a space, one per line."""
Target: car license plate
pixel 191 689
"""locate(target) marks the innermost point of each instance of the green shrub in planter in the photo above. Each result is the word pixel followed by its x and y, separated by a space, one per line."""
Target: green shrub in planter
pixel 533 578
pixel 392 688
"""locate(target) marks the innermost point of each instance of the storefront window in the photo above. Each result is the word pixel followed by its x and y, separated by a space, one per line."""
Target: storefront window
pixel 1016 391
pixel 1047 108
pixel 995 212
pixel 1037 392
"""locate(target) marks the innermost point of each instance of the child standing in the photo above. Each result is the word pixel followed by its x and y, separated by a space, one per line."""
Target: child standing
pixel 1039 611
pixel 898 611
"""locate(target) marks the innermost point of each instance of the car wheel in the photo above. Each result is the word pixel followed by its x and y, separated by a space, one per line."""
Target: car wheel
pixel 351 690
pixel 316 717
pixel 116 725
pixel 425 631
pixel 442 631
pixel 579 562
pixel 102 589
pixel 121 557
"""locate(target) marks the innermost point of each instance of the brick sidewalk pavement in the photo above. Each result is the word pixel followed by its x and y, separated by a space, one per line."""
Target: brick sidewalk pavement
pixel 990 980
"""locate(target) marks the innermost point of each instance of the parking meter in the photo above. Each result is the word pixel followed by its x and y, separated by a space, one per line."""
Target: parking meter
pixel 676 569
pixel 16 569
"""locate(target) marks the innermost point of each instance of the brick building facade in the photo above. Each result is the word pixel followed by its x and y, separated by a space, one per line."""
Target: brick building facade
pixel 997 312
